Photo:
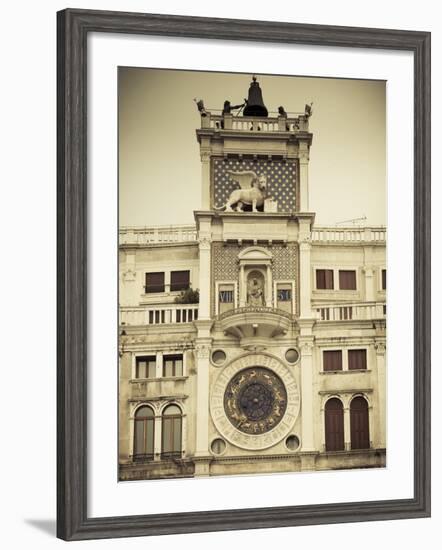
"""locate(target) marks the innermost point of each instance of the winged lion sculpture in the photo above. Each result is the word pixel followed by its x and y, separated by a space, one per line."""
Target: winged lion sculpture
pixel 252 191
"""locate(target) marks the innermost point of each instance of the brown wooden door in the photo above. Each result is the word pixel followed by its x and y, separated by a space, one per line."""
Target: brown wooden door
pixel 359 427
pixel 334 425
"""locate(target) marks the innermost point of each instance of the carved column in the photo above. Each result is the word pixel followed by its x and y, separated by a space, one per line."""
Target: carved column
pixel 269 289
pixel 242 287
pixel 157 436
pixel 347 428
pixel 380 367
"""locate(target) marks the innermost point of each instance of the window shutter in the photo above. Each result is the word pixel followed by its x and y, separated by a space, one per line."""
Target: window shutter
pixel 359 424
pixel 332 360
pixel 320 278
pixel 357 359
pixel 324 279
pixel 347 280
pixel 329 279
pixel 154 282
pixel 384 279
pixel 334 425
pixel 179 280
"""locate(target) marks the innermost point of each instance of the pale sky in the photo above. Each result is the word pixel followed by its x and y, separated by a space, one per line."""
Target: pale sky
pixel 159 161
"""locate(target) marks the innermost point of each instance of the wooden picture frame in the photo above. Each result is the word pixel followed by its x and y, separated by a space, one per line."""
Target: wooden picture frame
pixel 74 26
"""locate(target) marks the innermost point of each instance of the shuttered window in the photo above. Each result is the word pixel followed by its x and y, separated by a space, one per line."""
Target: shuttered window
pixel 179 280
pixel 171 432
pixel 144 433
pixel 154 282
pixel 334 425
pixel 332 360
pixel 384 279
pixel 359 424
pixel 172 365
pixel 347 279
pixel 145 367
pixel 357 359
pixel 324 279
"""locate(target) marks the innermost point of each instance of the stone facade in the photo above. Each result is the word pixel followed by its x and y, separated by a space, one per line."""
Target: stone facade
pixel 280 365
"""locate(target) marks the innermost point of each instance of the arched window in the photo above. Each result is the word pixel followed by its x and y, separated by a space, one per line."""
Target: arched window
pixel 144 432
pixel 359 429
pixel 172 425
pixel 334 425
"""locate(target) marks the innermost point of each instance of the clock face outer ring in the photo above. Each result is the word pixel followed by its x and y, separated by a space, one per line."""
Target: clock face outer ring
pixel 222 422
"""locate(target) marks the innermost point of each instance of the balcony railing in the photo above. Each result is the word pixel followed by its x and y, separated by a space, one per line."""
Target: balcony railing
pixel 188 234
pixel 352 312
pixel 349 235
pixel 158 315
pixel 158 235
pixel 255 124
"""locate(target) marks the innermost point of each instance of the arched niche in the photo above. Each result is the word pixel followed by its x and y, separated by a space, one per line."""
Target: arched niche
pixel 255 277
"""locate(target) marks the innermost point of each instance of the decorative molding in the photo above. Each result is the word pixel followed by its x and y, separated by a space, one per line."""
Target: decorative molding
pixel 129 275
pixel 380 347
pixel 306 346
pixel 204 241
pixel 202 351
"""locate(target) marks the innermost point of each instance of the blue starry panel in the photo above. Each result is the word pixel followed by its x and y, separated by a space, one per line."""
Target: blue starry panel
pixel 281 178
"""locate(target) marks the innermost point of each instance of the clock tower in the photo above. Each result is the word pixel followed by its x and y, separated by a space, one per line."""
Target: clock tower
pixel 254 229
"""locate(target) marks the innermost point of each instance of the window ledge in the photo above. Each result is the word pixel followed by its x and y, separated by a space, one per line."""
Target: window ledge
pixel 334 290
pixel 344 371
pixel 165 378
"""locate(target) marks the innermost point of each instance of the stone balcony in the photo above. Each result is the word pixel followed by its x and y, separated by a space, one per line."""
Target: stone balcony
pixel 361 311
pixel 231 123
pixel 158 314
pixel 187 234
pixel 255 324
pixel 158 235
pixel 349 235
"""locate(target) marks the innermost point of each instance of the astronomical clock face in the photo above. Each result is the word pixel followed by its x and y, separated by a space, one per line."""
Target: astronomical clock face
pixel 255 400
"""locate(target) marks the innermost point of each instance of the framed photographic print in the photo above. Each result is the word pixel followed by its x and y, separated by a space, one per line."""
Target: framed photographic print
pixel 225 192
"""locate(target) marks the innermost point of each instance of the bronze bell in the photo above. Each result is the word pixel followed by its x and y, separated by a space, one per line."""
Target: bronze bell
pixel 255 104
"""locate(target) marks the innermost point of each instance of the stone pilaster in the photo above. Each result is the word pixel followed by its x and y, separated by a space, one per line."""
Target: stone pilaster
pixel 305 285
pixel 124 445
pixel 204 239
pixel 380 368
pixel 205 180
pixel 369 286
pixel 303 176
pixel 202 362
pixel 307 398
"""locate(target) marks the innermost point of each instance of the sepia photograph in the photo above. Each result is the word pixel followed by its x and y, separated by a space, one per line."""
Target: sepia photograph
pixel 252 274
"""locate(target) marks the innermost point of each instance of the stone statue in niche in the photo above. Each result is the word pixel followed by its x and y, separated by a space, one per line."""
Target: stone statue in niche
pixel 255 291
